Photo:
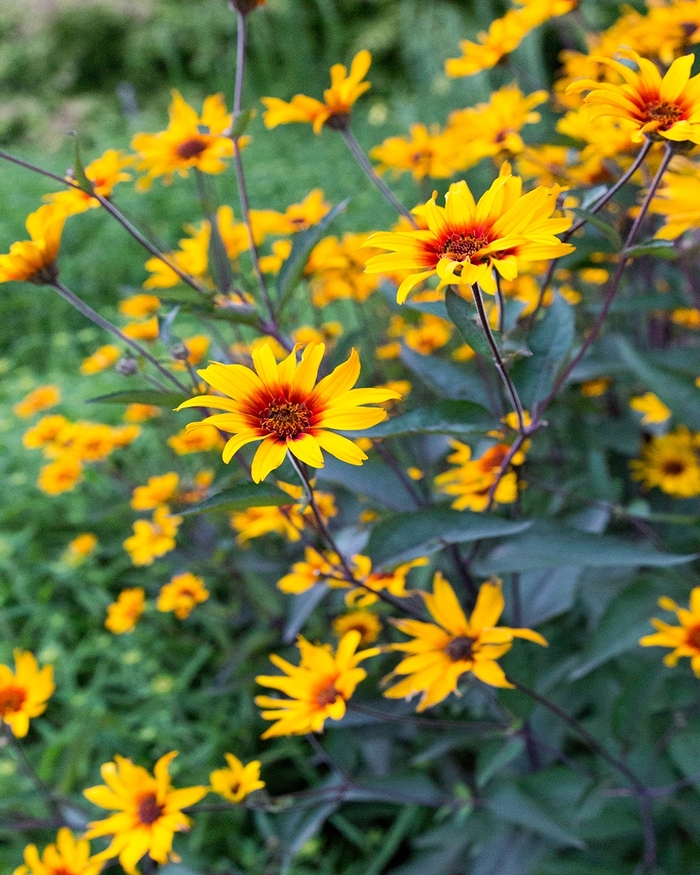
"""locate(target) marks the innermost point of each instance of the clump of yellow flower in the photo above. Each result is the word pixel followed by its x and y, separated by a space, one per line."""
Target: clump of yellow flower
pixel 80 548
pixel 154 538
pixel 123 614
pixel 24 692
pixel 182 594
pixel 441 652
pixel 288 520
pixel 158 490
pixel 236 781
pixel 68 856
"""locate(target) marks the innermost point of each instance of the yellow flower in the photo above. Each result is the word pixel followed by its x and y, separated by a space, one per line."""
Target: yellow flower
pixel 336 271
pixel 338 99
pixel 147 330
pixel 317 689
pixel 140 412
pixel 661 108
pixel 63 475
pixel 45 431
pixel 153 539
pixel 139 306
pixel 424 153
pixel 428 334
pixel 365 622
pixel 287 520
pixel 596 387
pixel 652 407
pixel 157 491
pixel 148 811
pixel 24 692
pixel 466 240
pixel 189 141
pixel 182 594
pixel 688 317
pixel 34 260
pixel 80 548
pixel 104 173
pixel 441 652
pixel 684 639
pixel 192 257
pixel 100 360
pixel 69 856
pixel 471 479
pixel 678 200
pixel 199 441
pixel 671 462
pixel 237 781
pixel 41 398
pixel 124 435
pixel 123 614
pixel 282 406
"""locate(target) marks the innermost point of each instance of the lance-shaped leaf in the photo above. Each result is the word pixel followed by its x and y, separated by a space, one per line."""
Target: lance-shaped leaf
pixel 241 497
pixel 443 417
pixel 461 314
pixel 141 396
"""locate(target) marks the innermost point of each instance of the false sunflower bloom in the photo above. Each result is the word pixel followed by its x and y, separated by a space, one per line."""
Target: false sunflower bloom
pixel 684 639
pixel 663 108
pixel 34 260
pixel 24 692
pixel 182 594
pixel 337 103
pixel 671 462
pixel 103 174
pixel 317 689
pixel 465 240
pixel 441 652
pixel 68 856
pixel 236 781
pixel 149 811
pixel 190 140
pixel 283 406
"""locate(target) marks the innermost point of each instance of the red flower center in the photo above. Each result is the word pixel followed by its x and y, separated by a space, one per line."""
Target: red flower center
pixel 663 112
pixel 191 148
pixel 461 247
pixel 693 637
pixel 460 648
pixel 673 467
pixel 11 699
pixel 149 809
pixel 326 695
pixel 286 419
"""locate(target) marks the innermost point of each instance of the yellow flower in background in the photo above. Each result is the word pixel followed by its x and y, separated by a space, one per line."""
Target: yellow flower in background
pixel 34 260
pixel 63 475
pixel 365 622
pixel 237 781
pixel 140 412
pixel 315 568
pixel 282 406
pixel 684 640
pixel 671 462
pixel 441 652
pixel 148 330
pixel 68 856
pixel 189 141
pixel 424 337
pixel 182 594
pixel 158 490
pixel 470 481
pixel 288 520
pixel 148 811
pixel 139 306
pixel 80 548
pixel 123 614
pixel 104 173
pixel 393 582
pixel 653 408
pixel 338 99
pixel 24 692
pixel 45 432
pixel 192 258
pixel 336 270
pixel 154 538
pixel 688 317
pixel 199 441
pixel 316 690
pixel 596 387
pixel 39 399
pixel 100 360
pixel 465 240
pixel 424 153
pixel 665 108
pixel 678 200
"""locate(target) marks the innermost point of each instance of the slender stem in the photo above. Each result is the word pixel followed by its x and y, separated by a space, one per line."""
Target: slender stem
pixel 428 722
pixel 95 317
pixel 373 176
pixel 498 360
pixel 44 791
pixel 614 283
pixel 500 298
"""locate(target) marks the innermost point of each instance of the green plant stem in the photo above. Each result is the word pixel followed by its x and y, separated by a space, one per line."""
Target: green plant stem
pixel 95 317
pixel 371 174
pixel 42 789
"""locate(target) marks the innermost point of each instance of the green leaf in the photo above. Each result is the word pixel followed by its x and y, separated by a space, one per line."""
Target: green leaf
pixel 461 314
pixel 658 248
pixel 447 379
pixel 409 535
pixel 79 170
pixel 372 479
pixel 443 417
pixel 182 295
pixel 241 497
pixel 219 262
pixel 550 342
pixel 513 805
pixel 242 122
pixel 407 819
pixel 140 396
pixel 496 755
pixel 682 396
pixel 293 268
pixel 685 753
pixel 556 545
pixel 606 229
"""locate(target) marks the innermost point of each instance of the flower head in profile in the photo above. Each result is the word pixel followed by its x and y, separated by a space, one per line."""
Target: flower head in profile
pixel 103 357
pixel 236 781
pixel 684 640
pixel 367 623
pixel 317 689
pixel 282 406
pixel 190 140
pixel 123 614
pixel 68 856
pixel 182 594
pixel 652 407
pixel 337 103
pixel 34 260
pixel 466 240
pixel 148 811
pixel 24 692
pixel 441 652
pixel 39 399
pixel 671 462
pixel 662 108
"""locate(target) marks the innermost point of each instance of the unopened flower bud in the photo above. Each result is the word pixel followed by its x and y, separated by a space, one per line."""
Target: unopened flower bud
pixel 179 351
pixel 127 367
pixel 244 6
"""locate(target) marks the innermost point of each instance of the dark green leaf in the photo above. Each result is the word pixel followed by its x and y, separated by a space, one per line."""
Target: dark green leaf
pixel 183 295
pixel 658 248
pixel 444 417
pixel 79 170
pixel 605 228
pixel 241 497
pixel 511 804
pixel 496 755
pixel 140 396
pixel 550 342
pixel 372 479
pixel 293 267
pixel 445 378
pixel 685 753
pixel 219 262
pixel 409 535
pixel 461 314
pixel 242 123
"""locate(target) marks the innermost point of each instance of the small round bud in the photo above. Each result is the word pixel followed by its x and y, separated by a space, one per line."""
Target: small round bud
pixel 179 351
pixel 127 367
